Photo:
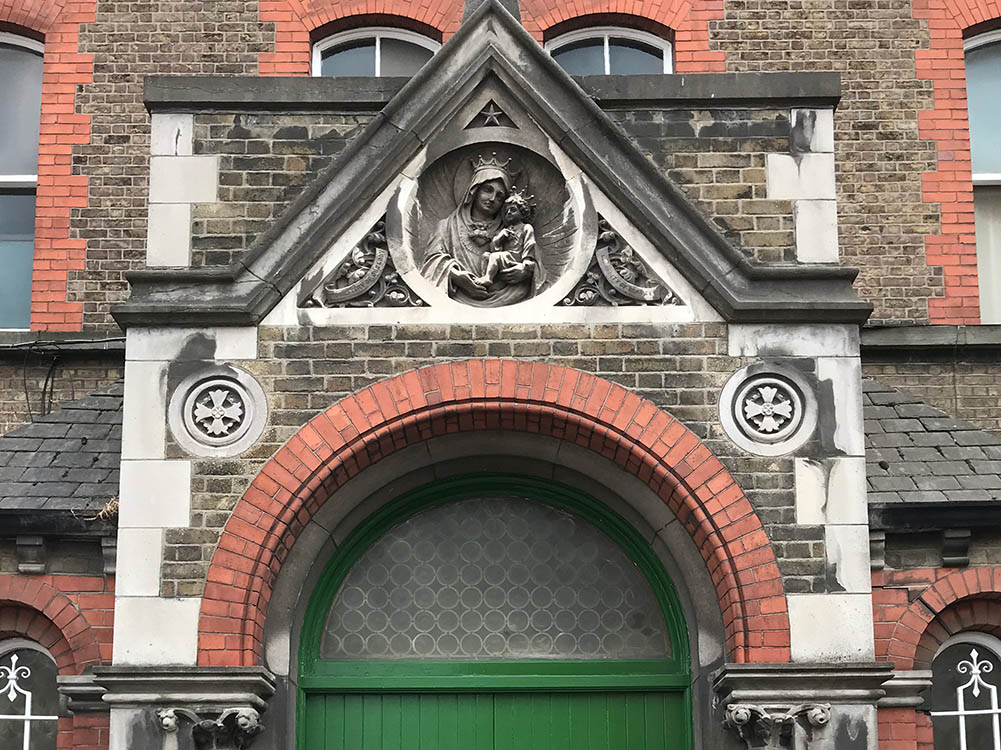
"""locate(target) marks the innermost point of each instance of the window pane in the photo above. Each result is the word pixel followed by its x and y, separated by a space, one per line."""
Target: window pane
pixel 628 57
pixel 350 59
pixel 22 75
pixel 954 673
pixel 495 578
pixel 585 58
pixel 400 58
pixel 983 91
pixel 17 231
pixel 40 681
pixel 987 204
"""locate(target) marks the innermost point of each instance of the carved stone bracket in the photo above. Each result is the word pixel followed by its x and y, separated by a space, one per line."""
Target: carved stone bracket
pixel 761 727
pixel 618 277
pixel 366 278
pixel 233 729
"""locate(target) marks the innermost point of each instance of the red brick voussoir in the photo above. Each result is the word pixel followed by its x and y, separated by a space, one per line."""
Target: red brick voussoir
pixel 360 430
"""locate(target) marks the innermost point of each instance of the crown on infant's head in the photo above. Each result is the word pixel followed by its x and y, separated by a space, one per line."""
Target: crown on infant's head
pixel 521 197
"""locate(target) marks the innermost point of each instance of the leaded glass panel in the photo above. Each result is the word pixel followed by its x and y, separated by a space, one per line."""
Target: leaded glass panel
pixel 495 578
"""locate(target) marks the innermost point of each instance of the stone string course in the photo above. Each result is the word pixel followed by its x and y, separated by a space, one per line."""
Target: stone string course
pixel 680 368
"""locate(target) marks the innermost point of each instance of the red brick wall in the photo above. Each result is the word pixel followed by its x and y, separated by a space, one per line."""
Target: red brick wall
pixel 59 190
pixel 295 19
pixel 947 124
pixel 72 617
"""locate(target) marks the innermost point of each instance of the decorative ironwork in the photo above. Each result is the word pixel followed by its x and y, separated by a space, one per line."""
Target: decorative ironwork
pixel 975 667
pixel 234 728
pixel 12 691
pixel 760 727
pixel 366 278
pixel 617 276
pixel 768 408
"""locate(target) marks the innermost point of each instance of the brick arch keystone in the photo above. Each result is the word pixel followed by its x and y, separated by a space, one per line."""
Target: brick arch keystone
pixel 32 609
pixel 963 600
pixel 579 407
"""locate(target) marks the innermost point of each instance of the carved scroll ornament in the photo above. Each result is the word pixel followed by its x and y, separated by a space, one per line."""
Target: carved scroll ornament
pixel 234 729
pixel 771 729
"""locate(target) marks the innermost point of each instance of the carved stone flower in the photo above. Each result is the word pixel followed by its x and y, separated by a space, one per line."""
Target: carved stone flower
pixel 768 408
pixel 218 411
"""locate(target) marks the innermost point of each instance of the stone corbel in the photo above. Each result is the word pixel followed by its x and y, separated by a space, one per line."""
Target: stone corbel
pixel 770 729
pixel 233 729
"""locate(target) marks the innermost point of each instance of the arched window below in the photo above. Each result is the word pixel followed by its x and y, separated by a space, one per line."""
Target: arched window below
pixel 964 695
pixel 983 92
pixel 29 698
pixel 373 52
pixel 610 50
pixel 21 69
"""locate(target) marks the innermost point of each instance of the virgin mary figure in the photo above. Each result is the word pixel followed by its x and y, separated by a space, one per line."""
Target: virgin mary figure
pixel 458 252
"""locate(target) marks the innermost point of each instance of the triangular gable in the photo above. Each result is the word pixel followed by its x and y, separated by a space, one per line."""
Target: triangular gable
pixel 448 93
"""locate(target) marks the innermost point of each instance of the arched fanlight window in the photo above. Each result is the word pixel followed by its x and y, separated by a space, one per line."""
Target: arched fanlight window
pixel 607 50
pixel 964 696
pixel 21 69
pixel 372 51
pixel 29 697
pixel 983 92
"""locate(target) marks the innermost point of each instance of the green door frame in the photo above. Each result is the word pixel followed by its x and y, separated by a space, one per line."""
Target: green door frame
pixel 492 676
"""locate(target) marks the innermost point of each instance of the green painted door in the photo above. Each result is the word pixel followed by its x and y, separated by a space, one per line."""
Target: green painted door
pixel 494 613
pixel 499 721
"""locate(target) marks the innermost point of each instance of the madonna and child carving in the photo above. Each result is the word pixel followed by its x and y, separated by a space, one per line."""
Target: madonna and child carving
pixel 496 245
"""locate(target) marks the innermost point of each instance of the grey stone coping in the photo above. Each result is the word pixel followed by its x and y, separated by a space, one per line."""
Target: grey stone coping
pixel 61 470
pixel 919 455
pixel 299 93
pixel 849 682
pixel 930 337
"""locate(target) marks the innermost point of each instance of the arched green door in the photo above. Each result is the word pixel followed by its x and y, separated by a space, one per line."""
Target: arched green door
pixel 494 613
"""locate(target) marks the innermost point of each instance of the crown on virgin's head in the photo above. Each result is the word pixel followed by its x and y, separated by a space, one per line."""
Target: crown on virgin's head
pixel 492 163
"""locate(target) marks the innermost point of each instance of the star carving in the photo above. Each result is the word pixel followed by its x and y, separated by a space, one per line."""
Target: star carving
pixel 491 115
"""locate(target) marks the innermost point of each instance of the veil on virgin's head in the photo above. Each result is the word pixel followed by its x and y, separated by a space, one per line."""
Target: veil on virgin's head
pixel 485 170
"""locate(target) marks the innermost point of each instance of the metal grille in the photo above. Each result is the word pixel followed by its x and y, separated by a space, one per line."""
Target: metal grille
pixel 18 698
pixel 495 578
pixel 981 696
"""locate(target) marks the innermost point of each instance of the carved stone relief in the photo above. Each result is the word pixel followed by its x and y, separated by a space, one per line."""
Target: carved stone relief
pixel 617 276
pixel 771 729
pixel 233 729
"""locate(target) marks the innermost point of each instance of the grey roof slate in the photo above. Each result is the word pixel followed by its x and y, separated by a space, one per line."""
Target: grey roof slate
pixel 916 453
pixel 67 460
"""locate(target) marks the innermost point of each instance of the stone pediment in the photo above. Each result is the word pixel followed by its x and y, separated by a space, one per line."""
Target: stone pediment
pixel 395 221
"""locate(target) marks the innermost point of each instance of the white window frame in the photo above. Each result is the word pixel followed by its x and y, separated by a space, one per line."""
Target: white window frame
pixel 975 684
pixel 618 32
pixel 982 40
pixel 10 678
pixel 378 33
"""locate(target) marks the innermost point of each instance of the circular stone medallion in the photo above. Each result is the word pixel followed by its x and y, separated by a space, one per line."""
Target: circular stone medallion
pixel 220 411
pixel 768 408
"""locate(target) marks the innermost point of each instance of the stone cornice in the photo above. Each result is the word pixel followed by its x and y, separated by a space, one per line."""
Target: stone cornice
pixel 784 685
pixel 201 689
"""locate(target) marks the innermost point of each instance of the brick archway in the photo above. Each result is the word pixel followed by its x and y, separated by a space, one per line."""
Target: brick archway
pixel 35 610
pixel 958 601
pixel 363 428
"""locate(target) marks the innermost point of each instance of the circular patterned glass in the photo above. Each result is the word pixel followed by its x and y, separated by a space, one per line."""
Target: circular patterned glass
pixel 217 411
pixel 768 408
pixel 495 578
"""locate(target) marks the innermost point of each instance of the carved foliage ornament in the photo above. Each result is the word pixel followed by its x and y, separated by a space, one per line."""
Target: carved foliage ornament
pixel 617 276
pixel 366 278
pixel 233 729
pixel 772 729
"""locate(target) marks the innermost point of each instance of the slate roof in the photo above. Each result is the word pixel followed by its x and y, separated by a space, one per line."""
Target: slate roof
pixel 918 454
pixel 67 460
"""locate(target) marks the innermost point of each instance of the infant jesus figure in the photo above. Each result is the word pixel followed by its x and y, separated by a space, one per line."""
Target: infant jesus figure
pixel 513 247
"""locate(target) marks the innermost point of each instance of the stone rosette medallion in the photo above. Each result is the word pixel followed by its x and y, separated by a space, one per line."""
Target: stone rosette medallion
pixel 220 411
pixel 768 409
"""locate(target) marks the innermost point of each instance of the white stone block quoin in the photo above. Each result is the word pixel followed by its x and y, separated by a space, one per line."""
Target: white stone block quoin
pixel 830 490
pixel 813 130
pixel 775 340
pixel 171 134
pixel 816 231
pixel 153 631
pixel 183 179
pixel 168 235
pixel 144 418
pixel 800 176
pixel 847 550
pixel 169 344
pixel 155 494
pixel 140 552
pixel 844 377
pixel 831 627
